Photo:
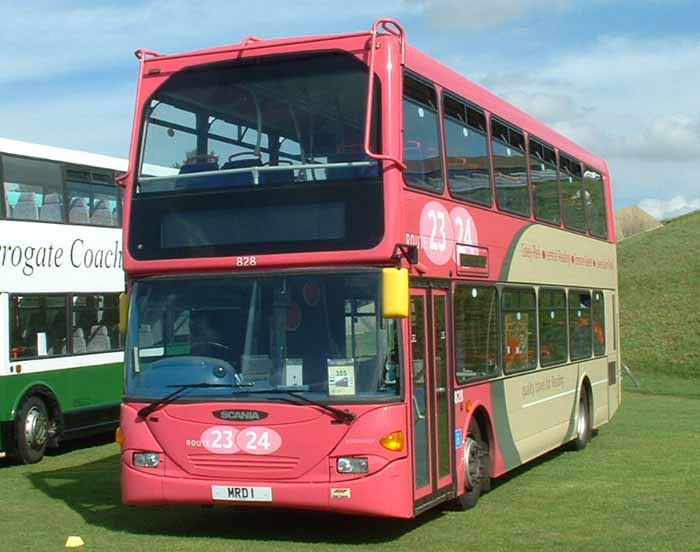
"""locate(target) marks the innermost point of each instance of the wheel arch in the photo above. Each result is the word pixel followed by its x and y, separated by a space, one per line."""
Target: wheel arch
pixel 481 416
pixel 46 393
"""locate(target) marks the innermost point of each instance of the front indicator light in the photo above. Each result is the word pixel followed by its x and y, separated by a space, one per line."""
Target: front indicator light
pixel 352 464
pixel 146 459
pixel 394 441
pixel 119 436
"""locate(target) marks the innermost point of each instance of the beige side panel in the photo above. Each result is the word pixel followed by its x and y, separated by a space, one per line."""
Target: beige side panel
pixel 541 406
pixel 552 256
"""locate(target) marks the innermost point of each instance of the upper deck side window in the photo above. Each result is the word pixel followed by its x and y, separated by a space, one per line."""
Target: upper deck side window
pixel 421 140
pixel 32 189
pixel 468 167
pixel 594 200
pixel 51 191
pixel 92 198
pixel 571 185
pixel 543 174
pixel 510 169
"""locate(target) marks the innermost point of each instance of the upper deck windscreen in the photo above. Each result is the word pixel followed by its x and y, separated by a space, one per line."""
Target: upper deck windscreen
pixel 264 156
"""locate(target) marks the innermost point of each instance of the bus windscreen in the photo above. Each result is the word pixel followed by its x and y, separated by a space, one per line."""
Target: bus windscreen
pixel 318 334
pixel 258 136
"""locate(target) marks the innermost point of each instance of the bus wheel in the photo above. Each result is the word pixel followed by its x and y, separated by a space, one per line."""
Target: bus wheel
pixel 31 430
pixel 583 422
pixel 476 470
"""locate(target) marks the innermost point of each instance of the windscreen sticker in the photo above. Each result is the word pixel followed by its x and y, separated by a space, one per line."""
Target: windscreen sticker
pixel 293 372
pixel 341 376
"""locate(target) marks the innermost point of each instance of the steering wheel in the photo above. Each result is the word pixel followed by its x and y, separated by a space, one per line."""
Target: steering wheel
pixel 214 343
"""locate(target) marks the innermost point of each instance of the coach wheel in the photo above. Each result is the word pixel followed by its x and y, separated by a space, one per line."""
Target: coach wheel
pixel 476 470
pixel 31 430
pixel 583 422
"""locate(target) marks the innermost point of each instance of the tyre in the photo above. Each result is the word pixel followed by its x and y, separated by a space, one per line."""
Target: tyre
pixel 583 421
pixel 476 468
pixel 31 430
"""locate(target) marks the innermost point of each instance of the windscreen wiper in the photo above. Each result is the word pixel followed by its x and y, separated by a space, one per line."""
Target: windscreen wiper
pixel 155 405
pixel 343 416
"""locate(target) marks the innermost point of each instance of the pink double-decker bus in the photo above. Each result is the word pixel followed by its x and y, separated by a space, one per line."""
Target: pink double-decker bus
pixel 359 283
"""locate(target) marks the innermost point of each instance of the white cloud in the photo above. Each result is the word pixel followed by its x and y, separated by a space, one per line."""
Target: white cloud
pixel 45 39
pixel 675 137
pixel 463 14
pixel 614 96
pixel 630 101
pixel 552 108
pixel 671 208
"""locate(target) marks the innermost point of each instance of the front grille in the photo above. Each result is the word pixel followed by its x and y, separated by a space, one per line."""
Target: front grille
pixel 245 463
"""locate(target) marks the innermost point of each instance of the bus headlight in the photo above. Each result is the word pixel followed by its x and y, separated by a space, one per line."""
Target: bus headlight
pixel 352 464
pixel 146 459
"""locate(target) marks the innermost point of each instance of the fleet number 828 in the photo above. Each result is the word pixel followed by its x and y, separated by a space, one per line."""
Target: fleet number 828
pixel 246 261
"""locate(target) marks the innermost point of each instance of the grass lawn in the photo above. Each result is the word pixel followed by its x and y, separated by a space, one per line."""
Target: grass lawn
pixel 637 487
pixel 660 307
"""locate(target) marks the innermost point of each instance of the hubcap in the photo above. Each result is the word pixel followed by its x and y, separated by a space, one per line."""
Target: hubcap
pixel 472 460
pixel 36 428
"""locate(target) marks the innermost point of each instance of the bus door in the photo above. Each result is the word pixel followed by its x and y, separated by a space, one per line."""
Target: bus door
pixel 430 346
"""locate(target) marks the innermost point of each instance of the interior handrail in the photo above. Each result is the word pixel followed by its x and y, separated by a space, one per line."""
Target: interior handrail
pixel 392 27
pixel 256 170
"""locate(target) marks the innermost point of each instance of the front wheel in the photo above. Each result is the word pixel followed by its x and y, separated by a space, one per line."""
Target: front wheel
pixel 31 430
pixel 476 468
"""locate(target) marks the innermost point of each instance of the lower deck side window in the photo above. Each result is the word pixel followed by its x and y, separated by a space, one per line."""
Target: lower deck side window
pixel 58 325
pixel 519 330
pixel 579 324
pixel 552 311
pixel 476 332
pixel 37 326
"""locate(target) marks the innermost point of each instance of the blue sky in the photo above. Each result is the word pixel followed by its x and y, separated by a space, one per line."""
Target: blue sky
pixel 620 77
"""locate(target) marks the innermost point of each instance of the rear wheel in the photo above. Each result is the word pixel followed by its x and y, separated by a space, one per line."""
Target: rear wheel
pixel 476 468
pixel 31 430
pixel 583 421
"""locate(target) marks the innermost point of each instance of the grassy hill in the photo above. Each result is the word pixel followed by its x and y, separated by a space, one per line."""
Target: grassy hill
pixel 660 306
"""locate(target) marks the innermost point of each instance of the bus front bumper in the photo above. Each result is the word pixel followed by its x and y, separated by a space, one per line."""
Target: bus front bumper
pixel 384 493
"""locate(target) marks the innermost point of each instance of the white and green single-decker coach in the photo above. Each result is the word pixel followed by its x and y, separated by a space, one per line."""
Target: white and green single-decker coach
pixel 60 279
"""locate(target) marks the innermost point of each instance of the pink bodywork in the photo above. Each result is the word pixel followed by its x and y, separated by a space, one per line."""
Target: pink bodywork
pixel 302 471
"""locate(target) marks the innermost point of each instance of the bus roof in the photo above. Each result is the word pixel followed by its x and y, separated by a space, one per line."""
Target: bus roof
pixel 52 153
pixel 76 157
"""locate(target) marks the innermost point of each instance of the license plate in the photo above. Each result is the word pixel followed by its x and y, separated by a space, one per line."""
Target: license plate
pixel 241 494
